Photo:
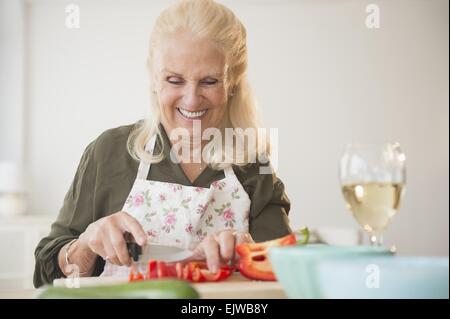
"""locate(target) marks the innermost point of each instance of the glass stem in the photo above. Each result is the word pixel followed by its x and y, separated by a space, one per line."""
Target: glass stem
pixel 376 240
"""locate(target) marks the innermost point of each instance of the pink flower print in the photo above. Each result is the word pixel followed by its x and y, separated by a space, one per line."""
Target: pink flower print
pixel 138 200
pixel 175 187
pixel 162 197
pixel 218 184
pixel 171 218
pixel 188 228
pixel 228 215
pixel 199 190
pixel 201 209
pixel 152 233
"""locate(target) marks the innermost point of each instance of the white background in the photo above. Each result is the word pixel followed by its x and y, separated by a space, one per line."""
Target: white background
pixel 320 76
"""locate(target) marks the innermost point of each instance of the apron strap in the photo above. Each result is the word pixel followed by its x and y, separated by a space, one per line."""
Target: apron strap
pixel 228 171
pixel 144 167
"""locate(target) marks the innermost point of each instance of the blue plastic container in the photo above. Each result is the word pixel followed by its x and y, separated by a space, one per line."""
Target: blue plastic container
pixel 321 271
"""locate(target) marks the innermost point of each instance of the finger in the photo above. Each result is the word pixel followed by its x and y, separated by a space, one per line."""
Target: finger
pixel 198 253
pixel 130 224
pixel 99 251
pixel 243 237
pixel 211 251
pixel 120 247
pixel 109 249
pixel 226 243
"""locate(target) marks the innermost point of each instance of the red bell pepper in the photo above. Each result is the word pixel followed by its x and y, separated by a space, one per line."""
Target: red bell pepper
pixel 254 263
pixel 152 270
pixel 135 276
pixel 222 274
pixel 254 260
pixel 199 272
pixel 192 271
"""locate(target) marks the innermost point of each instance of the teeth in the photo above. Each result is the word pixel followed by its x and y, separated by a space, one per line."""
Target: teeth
pixel 192 114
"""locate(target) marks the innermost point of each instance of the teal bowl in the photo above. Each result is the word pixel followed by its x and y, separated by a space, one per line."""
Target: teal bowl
pixel 321 271
pixel 384 277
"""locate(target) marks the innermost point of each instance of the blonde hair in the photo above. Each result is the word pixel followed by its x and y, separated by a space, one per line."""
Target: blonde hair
pixel 210 20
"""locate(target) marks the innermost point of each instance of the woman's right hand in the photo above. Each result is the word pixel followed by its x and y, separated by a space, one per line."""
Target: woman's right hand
pixel 105 237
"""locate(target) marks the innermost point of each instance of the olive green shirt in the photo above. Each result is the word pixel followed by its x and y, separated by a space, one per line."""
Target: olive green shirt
pixel 104 178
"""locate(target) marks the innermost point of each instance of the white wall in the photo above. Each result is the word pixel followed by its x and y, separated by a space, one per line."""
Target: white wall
pixel 12 84
pixel 320 75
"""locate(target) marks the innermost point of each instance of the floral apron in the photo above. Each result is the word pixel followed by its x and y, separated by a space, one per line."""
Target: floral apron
pixel 179 215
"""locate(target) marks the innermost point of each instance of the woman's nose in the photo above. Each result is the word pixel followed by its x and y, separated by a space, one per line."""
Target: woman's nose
pixel 191 96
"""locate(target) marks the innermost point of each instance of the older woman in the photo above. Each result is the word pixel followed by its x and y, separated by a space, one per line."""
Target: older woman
pixel 129 180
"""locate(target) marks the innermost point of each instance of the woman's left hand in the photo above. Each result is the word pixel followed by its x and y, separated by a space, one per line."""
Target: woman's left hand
pixel 219 248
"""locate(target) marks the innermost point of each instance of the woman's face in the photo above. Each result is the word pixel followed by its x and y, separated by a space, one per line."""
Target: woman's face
pixel 190 81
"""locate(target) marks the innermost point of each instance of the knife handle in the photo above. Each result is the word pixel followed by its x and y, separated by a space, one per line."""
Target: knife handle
pixel 134 250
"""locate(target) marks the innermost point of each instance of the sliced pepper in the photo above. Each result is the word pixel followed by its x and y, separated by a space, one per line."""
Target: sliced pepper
pixel 223 273
pixel 199 272
pixel 152 269
pixel 254 260
pixel 135 276
pixel 171 270
pixel 193 271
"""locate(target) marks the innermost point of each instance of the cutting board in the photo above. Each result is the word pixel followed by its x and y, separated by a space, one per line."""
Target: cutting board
pixel 238 287
pixel 235 287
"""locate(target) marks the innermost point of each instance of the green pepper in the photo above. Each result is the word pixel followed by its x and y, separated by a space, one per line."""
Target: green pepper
pixel 154 289
pixel 304 232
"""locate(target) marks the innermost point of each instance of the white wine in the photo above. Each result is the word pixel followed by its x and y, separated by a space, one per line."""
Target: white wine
pixel 373 204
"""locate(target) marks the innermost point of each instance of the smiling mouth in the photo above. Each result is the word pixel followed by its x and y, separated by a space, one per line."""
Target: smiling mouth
pixel 192 115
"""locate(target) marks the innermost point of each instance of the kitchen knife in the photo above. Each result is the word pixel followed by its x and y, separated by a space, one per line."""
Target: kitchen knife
pixel 157 252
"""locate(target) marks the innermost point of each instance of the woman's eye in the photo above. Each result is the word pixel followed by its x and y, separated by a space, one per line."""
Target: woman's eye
pixel 209 82
pixel 174 80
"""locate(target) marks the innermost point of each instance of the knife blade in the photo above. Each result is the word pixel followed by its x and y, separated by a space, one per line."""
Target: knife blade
pixel 157 252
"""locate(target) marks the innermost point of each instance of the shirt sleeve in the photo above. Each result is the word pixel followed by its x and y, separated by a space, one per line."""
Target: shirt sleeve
pixel 270 206
pixel 73 218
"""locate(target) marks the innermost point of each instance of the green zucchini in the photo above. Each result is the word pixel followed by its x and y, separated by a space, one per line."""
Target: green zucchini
pixel 147 289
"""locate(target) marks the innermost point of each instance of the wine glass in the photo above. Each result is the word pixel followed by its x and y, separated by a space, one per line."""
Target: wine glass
pixel 373 178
